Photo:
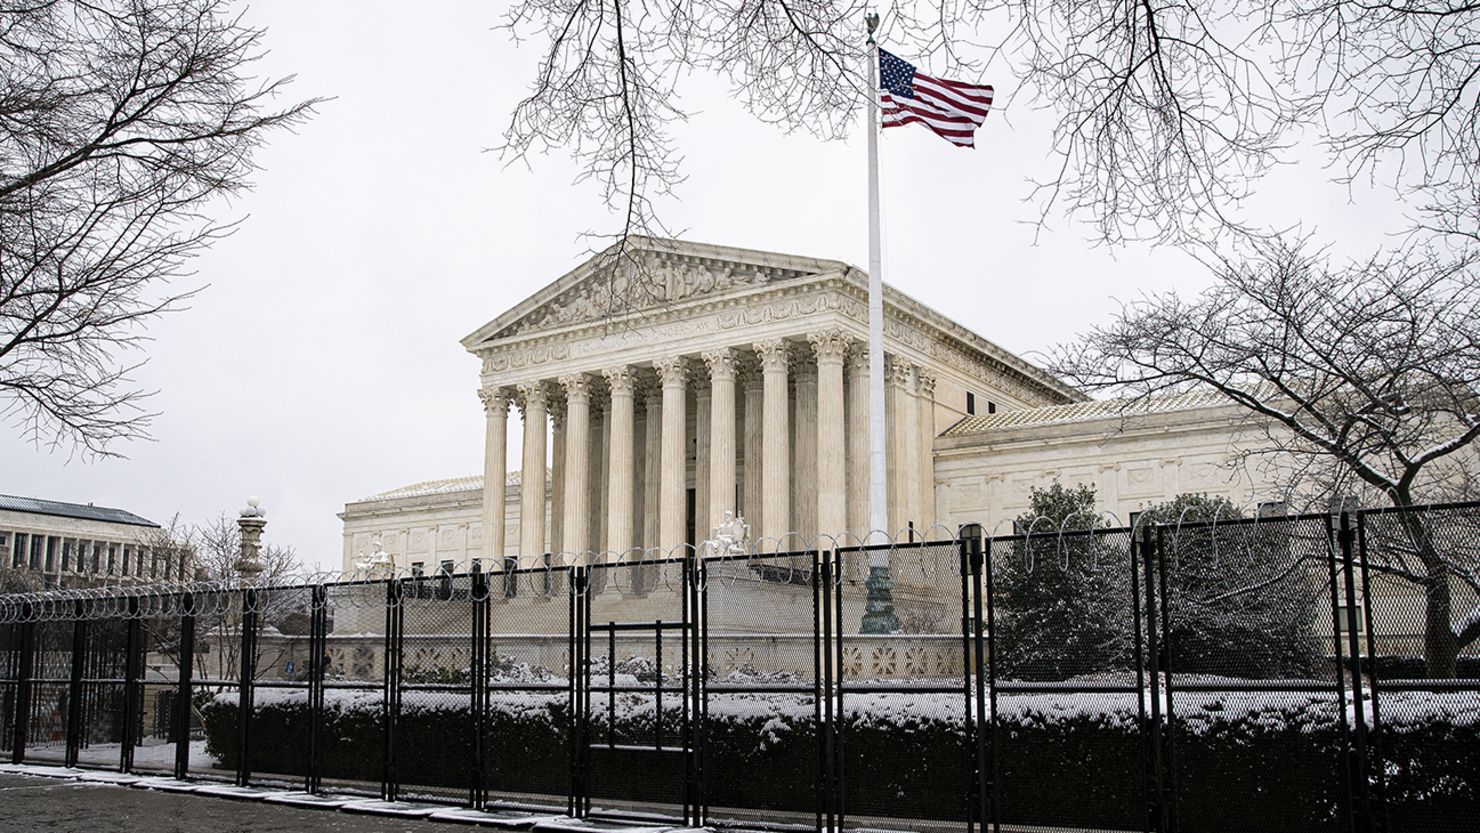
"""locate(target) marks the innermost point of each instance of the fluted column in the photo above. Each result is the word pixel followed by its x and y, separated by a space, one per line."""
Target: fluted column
pixel 576 526
pixel 804 448
pixel 721 364
pixel 556 539
pixel 532 473
pixel 925 434
pixel 652 456
pixel 596 500
pixel 702 414
pixel 621 478
pixel 752 507
pixel 831 348
pixel 900 416
pixel 672 508
pixel 775 442
pixel 857 442
pixel 495 468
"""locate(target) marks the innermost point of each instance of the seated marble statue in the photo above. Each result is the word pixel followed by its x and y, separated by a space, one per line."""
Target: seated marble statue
pixel 731 537
pixel 376 563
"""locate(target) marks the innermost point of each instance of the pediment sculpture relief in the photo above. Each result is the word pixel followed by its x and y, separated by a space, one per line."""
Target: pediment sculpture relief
pixel 658 280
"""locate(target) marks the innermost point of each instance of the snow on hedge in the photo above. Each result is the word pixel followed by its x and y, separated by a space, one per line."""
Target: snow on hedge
pixel 1197 712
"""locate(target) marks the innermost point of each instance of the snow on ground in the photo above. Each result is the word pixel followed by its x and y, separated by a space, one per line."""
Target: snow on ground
pixel 149 756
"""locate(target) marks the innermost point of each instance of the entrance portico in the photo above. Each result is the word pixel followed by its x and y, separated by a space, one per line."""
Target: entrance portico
pixel 760 353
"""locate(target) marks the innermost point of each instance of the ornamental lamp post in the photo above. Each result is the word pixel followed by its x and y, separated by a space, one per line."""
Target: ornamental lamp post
pixel 251 520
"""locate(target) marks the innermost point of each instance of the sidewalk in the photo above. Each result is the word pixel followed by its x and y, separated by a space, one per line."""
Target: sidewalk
pixel 32 803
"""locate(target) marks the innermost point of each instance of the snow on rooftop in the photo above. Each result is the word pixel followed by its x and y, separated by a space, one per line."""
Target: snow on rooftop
pixel 440 487
pixel 1086 412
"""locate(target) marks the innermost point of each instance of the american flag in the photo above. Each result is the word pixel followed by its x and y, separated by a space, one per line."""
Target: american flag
pixel 952 109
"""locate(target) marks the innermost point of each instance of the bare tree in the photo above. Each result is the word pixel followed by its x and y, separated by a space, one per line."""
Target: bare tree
pixel 218 548
pixel 1364 376
pixel 1166 114
pixel 119 121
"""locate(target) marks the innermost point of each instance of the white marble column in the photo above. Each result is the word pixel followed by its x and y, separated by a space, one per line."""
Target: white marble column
pixel 557 474
pixel 576 524
pixel 721 364
pixel 753 505
pixel 857 442
pixel 702 415
pixel 672 506
pixel 804 448
pixel 653 445
pixel 900 416
pixel 495 468
pixel 775 441
pixel 830 348
pixel 596 480
pixel 925 434
pixel 620 474
pixel 532 473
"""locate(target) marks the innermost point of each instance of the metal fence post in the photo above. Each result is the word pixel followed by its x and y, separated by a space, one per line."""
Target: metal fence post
pixel 994 806
pixel 248 672
pixel 318 652
pixel 478 680
pixel 972 556
pixel 22 722
pixel 1169 717
pixel 1358 766
pixel 1153 655
pixel 74 686
pixel 133 694
pixel 184 686
pixel 391 698
pixel 1375 766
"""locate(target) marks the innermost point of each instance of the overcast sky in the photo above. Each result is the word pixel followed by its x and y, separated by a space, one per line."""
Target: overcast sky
pixel 322 363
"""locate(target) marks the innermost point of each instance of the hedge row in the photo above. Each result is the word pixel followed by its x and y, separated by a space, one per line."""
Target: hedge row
pixel 1238 762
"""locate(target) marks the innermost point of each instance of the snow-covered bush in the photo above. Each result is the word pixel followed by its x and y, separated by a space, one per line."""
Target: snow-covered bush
pixel 1238 760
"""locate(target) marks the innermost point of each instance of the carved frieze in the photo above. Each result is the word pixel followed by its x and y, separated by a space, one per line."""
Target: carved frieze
pixel 652 279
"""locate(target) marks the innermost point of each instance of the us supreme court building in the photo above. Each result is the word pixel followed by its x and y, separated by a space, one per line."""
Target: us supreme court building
pixel 684 381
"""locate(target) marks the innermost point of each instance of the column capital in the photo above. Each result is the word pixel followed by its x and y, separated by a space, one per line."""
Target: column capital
pixel 495 400
pixel 533 394
pixel 858 358
pixel 621 380
pixel 773 353
pixel 897 371
pixel 925 382
pixel 722 363
pixel 830 345
pixel 673 372
pixel 577 387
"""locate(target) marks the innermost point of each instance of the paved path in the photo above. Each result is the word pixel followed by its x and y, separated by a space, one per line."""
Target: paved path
pixel 29 804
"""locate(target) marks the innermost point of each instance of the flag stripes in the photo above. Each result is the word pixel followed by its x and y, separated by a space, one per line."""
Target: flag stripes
pixel 952 109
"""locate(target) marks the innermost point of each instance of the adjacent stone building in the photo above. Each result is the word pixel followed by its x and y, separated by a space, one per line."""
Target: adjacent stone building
pixel 76 544
pixel 661 390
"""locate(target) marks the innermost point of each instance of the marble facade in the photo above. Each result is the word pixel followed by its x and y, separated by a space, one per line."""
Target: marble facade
pixel 685 381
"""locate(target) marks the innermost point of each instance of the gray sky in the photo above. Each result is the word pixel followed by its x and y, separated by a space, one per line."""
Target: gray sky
pixel 322 363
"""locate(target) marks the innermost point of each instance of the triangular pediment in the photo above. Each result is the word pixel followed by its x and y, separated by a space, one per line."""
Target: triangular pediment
pixel 646 273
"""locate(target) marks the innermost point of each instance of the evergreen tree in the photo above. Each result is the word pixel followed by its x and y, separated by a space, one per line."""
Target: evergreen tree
pixel 1241 595
pixel 1062 591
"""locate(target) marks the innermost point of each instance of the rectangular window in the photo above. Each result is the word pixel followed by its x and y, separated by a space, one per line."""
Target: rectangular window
pixel 97 558
pixel 1343 611
pixel 38 542
pixel 112 558
pixel 128 552
pixel 53 544
pixel 66 555
pixel 970 403
pixel 991 407
pixel 18 554
pixel 418 569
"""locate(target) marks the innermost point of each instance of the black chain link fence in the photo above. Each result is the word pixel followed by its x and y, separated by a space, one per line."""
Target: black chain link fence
pixel 1282 674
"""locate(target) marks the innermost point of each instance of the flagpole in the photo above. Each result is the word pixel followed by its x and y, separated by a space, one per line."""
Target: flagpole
pixel 878 616
pixel 878 494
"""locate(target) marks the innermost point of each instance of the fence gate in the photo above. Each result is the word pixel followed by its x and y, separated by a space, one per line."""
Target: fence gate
pixel 637 689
